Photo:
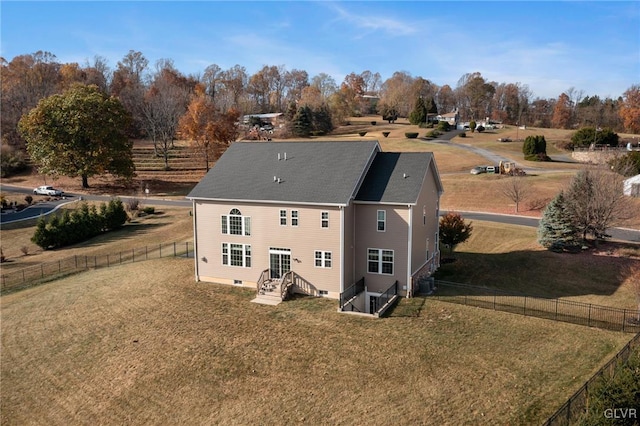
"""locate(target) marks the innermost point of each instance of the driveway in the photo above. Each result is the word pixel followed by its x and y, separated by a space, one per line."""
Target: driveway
pixel 39 209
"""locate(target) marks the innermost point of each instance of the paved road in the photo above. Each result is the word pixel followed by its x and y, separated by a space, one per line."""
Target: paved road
pixel 622 234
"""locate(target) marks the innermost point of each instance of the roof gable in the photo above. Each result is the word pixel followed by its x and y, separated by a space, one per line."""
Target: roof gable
pixel 397 178
pixel 298 172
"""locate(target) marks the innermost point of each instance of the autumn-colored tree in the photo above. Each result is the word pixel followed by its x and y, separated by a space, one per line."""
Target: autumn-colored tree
pixel 209 132
pixel 562 112
pixel 453 230
pixel 79 133
pixel 630 109
pixel 445 99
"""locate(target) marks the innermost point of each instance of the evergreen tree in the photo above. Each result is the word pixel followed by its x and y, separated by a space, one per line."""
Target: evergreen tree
pixel 322 122
pixel 556 231
pixel 302 123
pixel 419 113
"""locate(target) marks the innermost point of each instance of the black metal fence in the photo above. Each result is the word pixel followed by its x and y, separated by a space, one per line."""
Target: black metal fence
pixel 627 320
pixel 576 406
pixel 18 279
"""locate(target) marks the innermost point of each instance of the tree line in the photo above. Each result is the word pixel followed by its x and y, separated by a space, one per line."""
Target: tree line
pixel 157 96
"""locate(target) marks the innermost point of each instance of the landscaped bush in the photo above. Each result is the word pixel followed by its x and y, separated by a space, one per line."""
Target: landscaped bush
pixel 535 148
pixel 373 123
pixel 463 135
pixel 480 129
pixel 80 225
pixel 433 134
pixel 444 126
pixel 318 133
pixel 411 135
pixel 149 210
pixel 28 199
pixel 385 134
pixel 362 133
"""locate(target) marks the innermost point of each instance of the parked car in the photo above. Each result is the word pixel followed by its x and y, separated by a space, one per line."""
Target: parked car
pixel 47 190
pixel 490 169
pixel 478 169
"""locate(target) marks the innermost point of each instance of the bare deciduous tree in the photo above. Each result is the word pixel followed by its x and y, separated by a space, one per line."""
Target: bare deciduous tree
pixel 596 202
pixel 515 188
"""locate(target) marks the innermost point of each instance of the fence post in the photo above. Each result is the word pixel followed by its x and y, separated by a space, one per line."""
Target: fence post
pixel 525 306
pixel 59 266
pixel 108 264
pixel 494 300
pixel 187 247
pixel 76 259
pixel 624 318
pixel 174 249
pixel 160 250
pixel 146 253
pixel 41 270
pixel 589 316
pixel 133 255
pixel 556 317
pixel 120 258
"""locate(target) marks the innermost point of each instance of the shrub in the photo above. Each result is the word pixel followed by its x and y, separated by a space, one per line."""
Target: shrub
pixel 11 161
pixel 411 135
pixel 318 133
pixel 362 133
pixel 444 126
pixel 82 224
pixel 463 135
pixel 480 129
pixel 586 136
pixel 149 210
pixel 472 126
pixel 535 148
pixel 433 134
pixel 133 204
pixel 28 199
pixel 385 134
pixel 373 123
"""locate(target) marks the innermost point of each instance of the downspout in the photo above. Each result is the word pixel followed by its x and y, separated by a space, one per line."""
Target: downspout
pixel 342 249
pixel 195 240
pixel 409 251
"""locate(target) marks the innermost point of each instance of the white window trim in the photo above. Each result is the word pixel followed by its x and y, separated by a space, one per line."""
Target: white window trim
pixel 282 217
pixel 384 221
pixel 323 259
pixel 245 225
pixel 322 220
pixel 296 218
pixel 380 262
pixel 227 246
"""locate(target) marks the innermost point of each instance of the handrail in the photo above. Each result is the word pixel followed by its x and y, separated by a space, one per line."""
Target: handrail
pixel 388 294
pixel 347 296
pixel 286 282
pixel 263 277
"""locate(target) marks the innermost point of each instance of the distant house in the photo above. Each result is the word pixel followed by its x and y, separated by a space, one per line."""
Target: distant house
pixel 273 118
pixel 342 220
pixel 452 118
pixel 631 186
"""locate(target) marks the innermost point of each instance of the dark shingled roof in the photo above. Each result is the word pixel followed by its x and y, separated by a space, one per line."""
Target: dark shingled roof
pixel 395 177
pixel 314 172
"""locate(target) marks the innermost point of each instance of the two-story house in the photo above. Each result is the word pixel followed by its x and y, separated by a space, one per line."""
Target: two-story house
pixel 327 215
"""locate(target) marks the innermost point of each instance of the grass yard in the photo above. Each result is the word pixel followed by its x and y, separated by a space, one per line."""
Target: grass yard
pixel 508 258
pixel 169 224
pixel 144 343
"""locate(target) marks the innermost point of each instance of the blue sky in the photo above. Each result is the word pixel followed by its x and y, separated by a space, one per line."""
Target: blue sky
pixel 550 46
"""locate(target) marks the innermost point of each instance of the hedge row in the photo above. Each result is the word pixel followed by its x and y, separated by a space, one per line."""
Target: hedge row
pixel 80 225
